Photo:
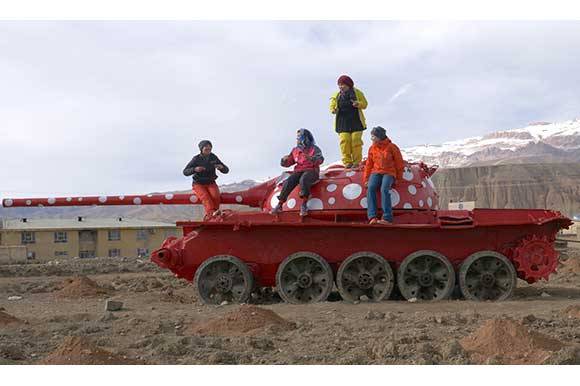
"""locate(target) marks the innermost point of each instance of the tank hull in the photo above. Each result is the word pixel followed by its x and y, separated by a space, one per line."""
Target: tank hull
pixel 263 241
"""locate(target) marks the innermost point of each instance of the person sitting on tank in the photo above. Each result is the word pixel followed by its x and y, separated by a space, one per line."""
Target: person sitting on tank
pixel 202 168
pixel 348 105
pixel 383 167
pixel 307 157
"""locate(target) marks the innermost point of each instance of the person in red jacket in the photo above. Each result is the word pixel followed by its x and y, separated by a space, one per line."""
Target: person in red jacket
pixel 307 157
pixel 383 167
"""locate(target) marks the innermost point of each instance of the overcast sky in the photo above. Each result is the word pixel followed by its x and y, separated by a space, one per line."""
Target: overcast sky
pixel 119 107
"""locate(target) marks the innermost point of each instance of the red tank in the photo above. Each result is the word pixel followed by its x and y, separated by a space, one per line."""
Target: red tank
pixel 425 253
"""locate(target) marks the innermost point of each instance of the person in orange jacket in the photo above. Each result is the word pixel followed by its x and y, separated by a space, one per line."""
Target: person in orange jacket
pixel 383 167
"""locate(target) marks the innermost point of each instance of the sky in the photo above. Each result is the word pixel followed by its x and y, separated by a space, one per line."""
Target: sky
pixel 118 107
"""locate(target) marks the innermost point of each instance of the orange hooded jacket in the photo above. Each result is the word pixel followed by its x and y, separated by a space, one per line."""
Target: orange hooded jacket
pixel 384 158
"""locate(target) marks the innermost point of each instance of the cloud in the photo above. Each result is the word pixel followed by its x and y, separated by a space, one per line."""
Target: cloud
pixel 400 92
pixel 118 107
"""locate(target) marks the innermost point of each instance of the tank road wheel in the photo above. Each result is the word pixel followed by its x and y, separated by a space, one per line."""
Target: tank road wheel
pixel 487 275
pixel 365 273
pixel 304 277
pixel 224 278
pixel 426 275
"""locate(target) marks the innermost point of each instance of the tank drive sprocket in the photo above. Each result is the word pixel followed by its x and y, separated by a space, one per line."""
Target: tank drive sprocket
pixel 535 258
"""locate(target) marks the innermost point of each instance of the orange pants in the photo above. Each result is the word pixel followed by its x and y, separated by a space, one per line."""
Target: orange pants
pixel 209 195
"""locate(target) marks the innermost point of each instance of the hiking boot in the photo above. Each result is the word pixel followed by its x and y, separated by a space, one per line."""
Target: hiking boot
pixel 373 221
pixel 384 222
pixel 354 165
pixel 217 213
pixel 348 166
pixel 303 210
pixel 277 209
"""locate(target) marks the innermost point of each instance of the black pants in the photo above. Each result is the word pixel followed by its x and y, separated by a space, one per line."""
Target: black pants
pixel 306 179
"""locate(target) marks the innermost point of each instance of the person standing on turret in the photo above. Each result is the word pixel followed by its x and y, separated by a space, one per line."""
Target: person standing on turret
pixel 202 168
pixel 348 105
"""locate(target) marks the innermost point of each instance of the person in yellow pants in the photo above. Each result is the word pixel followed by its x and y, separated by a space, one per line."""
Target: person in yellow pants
pixel 348 105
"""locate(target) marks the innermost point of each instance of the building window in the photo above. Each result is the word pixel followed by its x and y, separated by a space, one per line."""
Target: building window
pixel 114 235
pixel 88 236
pixel 142 252
pixel 141 234
pixel 31 255
pixel 27 238
pixel 60 253
pixel 116 252
pixel 60 237
pixel 86 254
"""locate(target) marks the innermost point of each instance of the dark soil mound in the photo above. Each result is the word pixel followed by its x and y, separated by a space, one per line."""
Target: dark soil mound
pixel 6 319
pixel 247 319
pixel 504 341
pixel 81 287
pixel 76 350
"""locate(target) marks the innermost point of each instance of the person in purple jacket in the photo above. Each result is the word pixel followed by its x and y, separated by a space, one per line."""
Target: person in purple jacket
pixel 307 157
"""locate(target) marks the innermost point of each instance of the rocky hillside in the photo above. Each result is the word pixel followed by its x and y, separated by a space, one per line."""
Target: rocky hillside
pixel 553 186
pixel 539 142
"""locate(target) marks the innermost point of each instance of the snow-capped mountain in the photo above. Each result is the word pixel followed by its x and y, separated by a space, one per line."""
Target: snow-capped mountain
pixel 537 142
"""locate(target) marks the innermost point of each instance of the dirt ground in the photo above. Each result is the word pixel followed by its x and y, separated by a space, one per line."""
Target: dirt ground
pixel 55 314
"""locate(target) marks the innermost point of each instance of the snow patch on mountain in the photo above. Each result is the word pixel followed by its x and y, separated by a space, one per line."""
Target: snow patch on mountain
pixel 562 139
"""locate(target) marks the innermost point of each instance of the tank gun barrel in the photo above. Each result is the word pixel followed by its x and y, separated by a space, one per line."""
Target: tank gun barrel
pixel 253 197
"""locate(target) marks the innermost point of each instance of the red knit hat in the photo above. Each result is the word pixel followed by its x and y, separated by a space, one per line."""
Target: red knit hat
pixel 345 79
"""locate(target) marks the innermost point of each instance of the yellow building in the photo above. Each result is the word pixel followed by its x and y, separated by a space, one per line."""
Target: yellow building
pixel 46 239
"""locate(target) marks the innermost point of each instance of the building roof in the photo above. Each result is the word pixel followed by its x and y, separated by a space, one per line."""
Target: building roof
pixel 86 223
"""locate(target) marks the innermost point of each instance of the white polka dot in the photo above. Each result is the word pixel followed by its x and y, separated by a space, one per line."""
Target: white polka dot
pixel 363 202
pixel 274 200
pixel 430 183
pixel 102 199
pixel 68 199
pixel 239 198
pixel 421 203
pixel 331 188
pixel 137 201
pixel 291 203
pixel 407 206
pixel 28 202
pixel 80 199
pixel 331 200
pixel 121 198
pixel 8 202
pixel 149 195
pixel 169 196
pixel 193 198
pixel 51 200
pixel 412 189
pixel 408 174
pixel 350 174
pixel 429 202
pixel 395 197
pixel 314 204
pixel 352 191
